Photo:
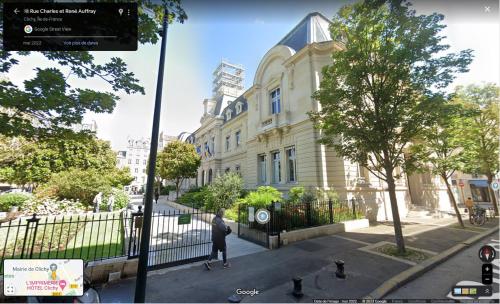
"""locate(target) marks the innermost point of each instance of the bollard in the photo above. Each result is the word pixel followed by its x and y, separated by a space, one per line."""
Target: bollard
pixel 340 269
pixel 297 287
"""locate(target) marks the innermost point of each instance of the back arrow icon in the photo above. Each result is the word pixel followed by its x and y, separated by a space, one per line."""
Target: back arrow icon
pixel 16 11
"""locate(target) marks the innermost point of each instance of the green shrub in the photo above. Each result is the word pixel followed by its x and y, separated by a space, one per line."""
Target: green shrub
pixel 195 197
pixel 263 197
pixel 232 213
pixel 166 190
pixel 9 200
pixel 75 184
pixel 330 194
pixel 224 191
pixel 308 197
pixel 295 194
pixel 121 199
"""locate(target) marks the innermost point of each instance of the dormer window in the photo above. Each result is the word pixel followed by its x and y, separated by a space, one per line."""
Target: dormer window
pixel 228 114
pixel 239 108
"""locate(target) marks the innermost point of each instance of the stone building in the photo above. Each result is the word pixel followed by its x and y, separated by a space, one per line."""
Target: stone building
pixel 265 133
pixel 136 156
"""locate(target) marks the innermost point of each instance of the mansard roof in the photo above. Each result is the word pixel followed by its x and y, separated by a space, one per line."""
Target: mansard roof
pixel 313 28
pixel 232 108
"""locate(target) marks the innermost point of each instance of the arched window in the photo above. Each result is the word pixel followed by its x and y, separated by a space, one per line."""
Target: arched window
pixel 210 176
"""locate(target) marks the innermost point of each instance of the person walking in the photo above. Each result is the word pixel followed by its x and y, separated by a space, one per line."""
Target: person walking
pixel 157 195
pixel 97 202
pixel 219 233
pixel 111 202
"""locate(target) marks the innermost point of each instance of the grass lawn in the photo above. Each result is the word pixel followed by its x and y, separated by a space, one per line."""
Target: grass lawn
pixel 89 237
pixel 410 254
pixel 101 238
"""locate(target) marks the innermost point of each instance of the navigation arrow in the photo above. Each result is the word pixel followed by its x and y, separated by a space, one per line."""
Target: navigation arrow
pixel 16 11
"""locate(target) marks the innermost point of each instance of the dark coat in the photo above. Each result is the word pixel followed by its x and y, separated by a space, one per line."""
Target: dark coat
pixel 219 232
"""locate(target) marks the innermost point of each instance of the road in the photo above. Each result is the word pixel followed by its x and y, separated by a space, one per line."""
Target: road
pixel 462 269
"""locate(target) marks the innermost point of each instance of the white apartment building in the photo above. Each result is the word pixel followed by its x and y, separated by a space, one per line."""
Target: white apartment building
pixel 136 156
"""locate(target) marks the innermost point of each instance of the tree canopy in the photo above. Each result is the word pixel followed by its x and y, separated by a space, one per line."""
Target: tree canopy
pixel 439 148
pixel 25 162
pixel 479 134
pixel 178 161
pixel 388 73
pixel 47 105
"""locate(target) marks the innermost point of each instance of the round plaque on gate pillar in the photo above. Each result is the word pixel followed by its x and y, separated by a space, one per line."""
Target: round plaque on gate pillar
pixel 262 216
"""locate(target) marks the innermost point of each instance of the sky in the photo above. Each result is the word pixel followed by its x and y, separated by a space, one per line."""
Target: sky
pixel 242 32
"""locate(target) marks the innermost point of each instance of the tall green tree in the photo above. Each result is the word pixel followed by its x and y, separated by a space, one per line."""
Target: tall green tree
pixel 386 78
pixel 439 149
pixel 47 105
pixel 479 133
pixel 27 162
pixel 178 161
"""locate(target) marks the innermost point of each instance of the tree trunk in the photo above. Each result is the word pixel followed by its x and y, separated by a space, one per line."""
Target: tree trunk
pixel 492 194
pixel 452 199
pixel 398 231
pixel 177 186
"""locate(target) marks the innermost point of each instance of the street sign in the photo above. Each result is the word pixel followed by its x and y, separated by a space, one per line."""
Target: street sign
pixel 251 214
pixel 495 185
pixel 138 222
pixel 461 183
pixel 184 219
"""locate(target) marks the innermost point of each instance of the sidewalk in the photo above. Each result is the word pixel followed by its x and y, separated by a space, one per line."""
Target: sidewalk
pixel 271 272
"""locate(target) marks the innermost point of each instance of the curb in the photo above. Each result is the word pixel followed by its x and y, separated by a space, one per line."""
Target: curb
pixel 419 269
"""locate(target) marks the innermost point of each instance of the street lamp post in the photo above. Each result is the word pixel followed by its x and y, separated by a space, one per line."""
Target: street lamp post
pixel 142 268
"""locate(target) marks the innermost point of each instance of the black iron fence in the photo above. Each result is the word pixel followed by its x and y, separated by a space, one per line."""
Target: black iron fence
pixel 87 236
pixel 176 237
pixel 293 216
pixel 249 228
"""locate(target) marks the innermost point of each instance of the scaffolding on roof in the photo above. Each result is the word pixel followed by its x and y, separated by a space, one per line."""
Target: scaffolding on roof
pixel 228 79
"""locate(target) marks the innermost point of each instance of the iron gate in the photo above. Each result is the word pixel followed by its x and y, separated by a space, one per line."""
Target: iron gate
pixel 249 229
pixel 177 237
